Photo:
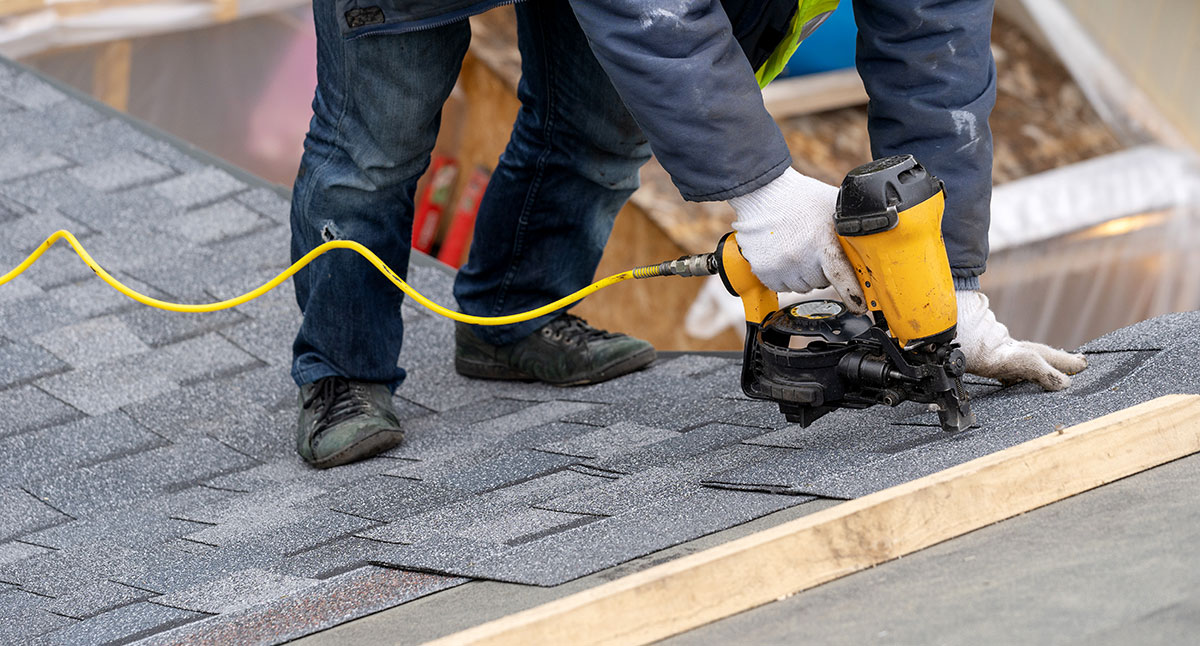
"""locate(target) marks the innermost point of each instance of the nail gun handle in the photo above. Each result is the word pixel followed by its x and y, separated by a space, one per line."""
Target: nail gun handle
pixel 734 270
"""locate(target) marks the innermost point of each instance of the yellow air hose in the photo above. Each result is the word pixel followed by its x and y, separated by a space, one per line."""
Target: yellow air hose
pixel 649 271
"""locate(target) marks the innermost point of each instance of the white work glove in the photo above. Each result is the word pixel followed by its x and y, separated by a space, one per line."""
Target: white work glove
pixel 786 231
pixel 991 352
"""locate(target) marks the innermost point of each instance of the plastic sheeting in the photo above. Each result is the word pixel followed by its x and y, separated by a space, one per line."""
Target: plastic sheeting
pixel 1076 252
pixel 38 31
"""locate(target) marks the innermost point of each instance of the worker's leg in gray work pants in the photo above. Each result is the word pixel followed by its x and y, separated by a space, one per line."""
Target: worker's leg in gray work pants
pixel 376 115
pixel 570 165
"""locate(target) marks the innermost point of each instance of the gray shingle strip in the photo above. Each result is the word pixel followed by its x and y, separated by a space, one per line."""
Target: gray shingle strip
pixel 268 203
pixel 291 470
pixel 46 191
pixel 34 317
pixel 19 289
pixel 180 564
pixel 22 513
pixel 122 216
pixel 158 328
pixel 266 248
pixel 184 272
pixel 122 483
pixel 201 358
pixel 431 431
pixel 384 499
pixel 27 458
pixel 260 435
pixel 238 591
pixel 14 551
pixel 123 624
pixel 260 510
pixel 332 558
pixel 123 170
pixel 666 411
pixel 92 342
pixel 91 297
pixel 794 472
pixel 562 556
pixel 683 375
pixel 95 598
pixel 608 441
pixel 21 362
pixel 266 338
pixel 200 187
pixel 92 143
pixel 498 422
pixel 1154 334
pixel 25 618
pixel 30 92
pixel 126 381
pixel 142 526
pixel 675 449
pixel 215 222
pixel 340 599
pixel 504 468
pixel 651 486
pixel 32 226
pixel 59 573
pixel 223 404
pixel 17 161
pixel 479 518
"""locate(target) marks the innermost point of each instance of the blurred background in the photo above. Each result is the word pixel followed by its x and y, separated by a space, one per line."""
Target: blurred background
pixel 1097 201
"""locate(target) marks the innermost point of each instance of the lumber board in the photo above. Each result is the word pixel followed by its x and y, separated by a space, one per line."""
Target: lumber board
pixel 680 595
pixel 812 93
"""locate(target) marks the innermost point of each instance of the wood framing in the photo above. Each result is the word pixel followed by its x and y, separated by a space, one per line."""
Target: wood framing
pixel 10 7
pixel 793 97
pixel 111 74
pixel 674 597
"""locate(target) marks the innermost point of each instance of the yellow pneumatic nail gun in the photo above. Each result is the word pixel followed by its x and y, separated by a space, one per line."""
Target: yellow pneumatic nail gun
pixel 816 356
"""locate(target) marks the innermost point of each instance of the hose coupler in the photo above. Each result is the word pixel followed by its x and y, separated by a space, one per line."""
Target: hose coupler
pixel 704 264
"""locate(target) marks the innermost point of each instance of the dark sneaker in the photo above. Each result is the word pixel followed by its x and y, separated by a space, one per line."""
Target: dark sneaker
pixel 343 421
pixel 564 352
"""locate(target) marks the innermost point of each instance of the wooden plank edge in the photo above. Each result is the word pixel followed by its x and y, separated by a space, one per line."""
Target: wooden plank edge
pixel 694 590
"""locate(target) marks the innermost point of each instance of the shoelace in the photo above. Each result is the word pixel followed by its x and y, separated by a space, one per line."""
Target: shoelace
pixel 338 401
pixel 571 326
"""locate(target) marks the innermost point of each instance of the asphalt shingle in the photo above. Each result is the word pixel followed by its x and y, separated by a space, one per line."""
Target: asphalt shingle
pixel 123 170
pixel 28 408
pixel 21 361
pixel 200 187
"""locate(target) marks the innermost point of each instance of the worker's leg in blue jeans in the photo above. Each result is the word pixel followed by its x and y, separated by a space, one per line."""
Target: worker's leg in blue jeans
pixel 570 165
pixel 376 115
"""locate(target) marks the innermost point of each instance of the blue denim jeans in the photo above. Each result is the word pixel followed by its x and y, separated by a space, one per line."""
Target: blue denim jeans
pixel 571 163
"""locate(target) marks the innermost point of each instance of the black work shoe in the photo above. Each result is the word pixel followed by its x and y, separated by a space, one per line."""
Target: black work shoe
pixel 344 421
pixel 564 352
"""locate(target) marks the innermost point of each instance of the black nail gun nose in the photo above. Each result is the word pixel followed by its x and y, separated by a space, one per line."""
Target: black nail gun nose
pixel 816 356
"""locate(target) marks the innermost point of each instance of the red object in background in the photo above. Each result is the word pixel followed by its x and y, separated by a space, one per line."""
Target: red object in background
pixel 463 223
pixel 434 200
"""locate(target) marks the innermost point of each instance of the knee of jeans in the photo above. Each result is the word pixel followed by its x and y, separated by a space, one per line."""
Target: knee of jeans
pixel 609 155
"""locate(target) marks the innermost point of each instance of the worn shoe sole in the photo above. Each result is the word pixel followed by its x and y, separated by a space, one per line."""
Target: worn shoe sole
pixel 498 371
pixel 370 446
